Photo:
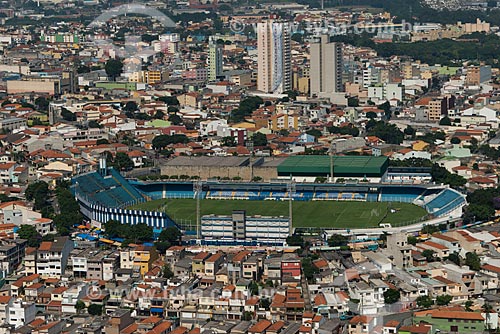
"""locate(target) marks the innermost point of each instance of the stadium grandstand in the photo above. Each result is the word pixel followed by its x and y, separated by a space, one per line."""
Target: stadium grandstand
pixel 105 195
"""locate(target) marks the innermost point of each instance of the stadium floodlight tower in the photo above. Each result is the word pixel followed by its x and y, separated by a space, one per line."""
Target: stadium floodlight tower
pixel 198 187
pixel 291 191
pixel 330 153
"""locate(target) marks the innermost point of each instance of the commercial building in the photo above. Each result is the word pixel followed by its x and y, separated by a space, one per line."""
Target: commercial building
pixel 214 59
pixel 51 86
pixel 326 67
pixel 274 56
pixel 476 75
pixel 239 227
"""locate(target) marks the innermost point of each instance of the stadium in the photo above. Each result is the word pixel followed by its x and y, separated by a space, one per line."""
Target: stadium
pixel 370 195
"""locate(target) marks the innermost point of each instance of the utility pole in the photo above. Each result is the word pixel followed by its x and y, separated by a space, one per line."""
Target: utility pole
pixel 198 187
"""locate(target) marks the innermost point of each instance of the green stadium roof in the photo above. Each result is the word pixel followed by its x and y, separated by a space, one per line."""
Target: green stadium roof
pixel 343 166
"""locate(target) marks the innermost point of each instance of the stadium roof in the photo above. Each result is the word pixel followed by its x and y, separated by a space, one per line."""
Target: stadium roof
pixel 209 161
pixel 314 165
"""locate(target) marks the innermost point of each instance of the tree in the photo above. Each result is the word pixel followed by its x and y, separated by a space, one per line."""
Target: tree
pixel 468 305
pixel 113 228
pixel 159 114
pixel 94 124
pixel 445 121
pixel 175 119
pixel 28 232
pixel 113 68
pixel 79 306
pixel 259 139
pixel 453 257
pixel 130 106
pixel 424 301
pixel 167 272
pixel 443 300
pixel 455 140
pixel 349 129
pixel 473 261
pixel 487 308
pixel 253 288
pixel 371 115
pixel 247 316
pixel 69 210
pixel 353 101
pixel 94 309
pixel 337 240
pixel 228 141
pixel 67 115
pixel 391 296
pixel 122 161
pixel 386 107
pixel 315 133
pixel 299 38
pixel 141 232
pixel 170 234
pixel 102 141
pixel 409 131
pixel 42 103
pixel 39 193
pixel 412 240
pixel 309 269
pixel 169 100
pixel 295 240
pixel 429 255
pixel 389 133
pixel 172 110
pixel 162 141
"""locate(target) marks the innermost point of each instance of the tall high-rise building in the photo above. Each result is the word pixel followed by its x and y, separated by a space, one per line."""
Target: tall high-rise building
pixel 214 59
pixel 326 67
pixel 274 73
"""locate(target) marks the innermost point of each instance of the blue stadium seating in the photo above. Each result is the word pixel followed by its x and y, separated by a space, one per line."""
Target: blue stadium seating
pixel 444 202
pixel 111 190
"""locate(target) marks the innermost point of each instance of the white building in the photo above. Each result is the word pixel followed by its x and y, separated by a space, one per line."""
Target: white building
pixel 20 313
pixel 274 73
pixel 71 296
pixel 239 227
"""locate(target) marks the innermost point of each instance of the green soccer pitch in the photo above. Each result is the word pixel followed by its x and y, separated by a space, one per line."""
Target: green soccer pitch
pixel 324 214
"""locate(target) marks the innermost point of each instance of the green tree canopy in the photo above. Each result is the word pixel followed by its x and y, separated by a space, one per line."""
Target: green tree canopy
pixel 29 233
pixel 162 141
pixel 443 300
pixel 337 240
pixel 424 301
pixel 391 296
pixel 445 121
pixel 259 139
pixel 473 261
pixel 113 68
pixel 94 309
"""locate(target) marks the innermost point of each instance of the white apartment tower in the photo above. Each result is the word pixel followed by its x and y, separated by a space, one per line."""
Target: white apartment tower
pixel 274 73
pixel 214 59
pixel 326 67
